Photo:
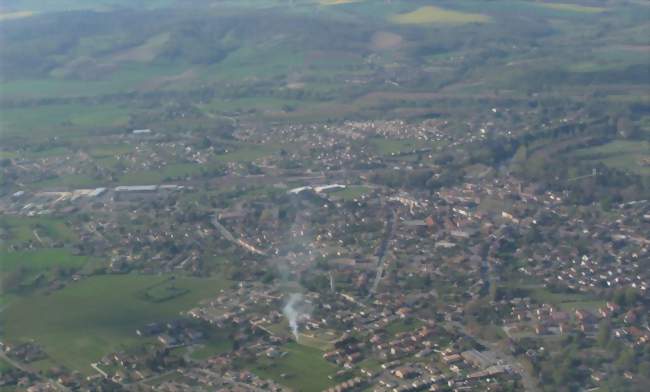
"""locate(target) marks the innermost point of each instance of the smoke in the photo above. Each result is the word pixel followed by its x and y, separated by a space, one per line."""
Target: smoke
pixel 294 257
pixel 292 314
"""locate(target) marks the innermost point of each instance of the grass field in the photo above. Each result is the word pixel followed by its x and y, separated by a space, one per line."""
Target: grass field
pixel 403 326
pixel 174 170
pixel 572 7
pixel 437 15
pixel 395 146
pixel 19 230
pixel 45 120
pixel 41 259
pixel 110 150
pixel 304 369
pixel 70 5
pixel 216 343
pixel 96 316
pixel 68 181
pixel 620 154
pixel 249 153
pixel 351 192
pixel 565 301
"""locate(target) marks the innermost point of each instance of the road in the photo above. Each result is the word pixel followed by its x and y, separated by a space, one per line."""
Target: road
pixel 390 230
pixel 31 371
pixel 238 241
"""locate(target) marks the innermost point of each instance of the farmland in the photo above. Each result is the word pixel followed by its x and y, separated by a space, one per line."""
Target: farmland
pixel 629 156
pixel 18 231
pixel 493 160
pixel 303 368
pixel 573 8
pixel 89 319
pixel 433 15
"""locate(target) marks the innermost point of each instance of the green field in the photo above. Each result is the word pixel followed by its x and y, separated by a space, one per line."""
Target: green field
pixel 351 192
pixel 174 170
pixel 403 326
pixel 437 15
pixel 75 118
pixel 217 343
pixel 396 146
pixel 99 315
pixel 41 259
pixel 303 367
pixel 620 154
pixel 249 153
pixel 573 7
pixel 20 230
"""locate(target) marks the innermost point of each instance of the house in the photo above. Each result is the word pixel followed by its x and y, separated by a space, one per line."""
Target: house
pixel 405 372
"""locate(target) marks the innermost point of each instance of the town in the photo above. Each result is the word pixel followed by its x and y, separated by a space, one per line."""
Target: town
pixel 324 196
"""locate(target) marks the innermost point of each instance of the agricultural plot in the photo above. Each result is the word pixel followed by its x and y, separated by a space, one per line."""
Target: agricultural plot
pixel 572 7
pixel 620 154
pixel 249 153
pixel 89 319
pixel 169 172
pixel 39 260
pixel 302 369
pixel 66 120
pixel 437 15
pixel 20 230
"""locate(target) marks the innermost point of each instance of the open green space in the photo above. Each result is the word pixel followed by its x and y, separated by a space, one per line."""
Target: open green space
pixel 46 120
pixel 75 5
pixel 436 15
pixel 351 192
pixel 110 150
pixel 566 301
pixel 96 316
pixel 405 325
pixel 40 259
pixel 302 369
pixel 126 78
pixel 4 366
pixel 20 230
pixel 249 153
pixel 396 146
pixel 216 343
pixel 69 181
pixel 631 156
pixel 572 7
pixel 154 176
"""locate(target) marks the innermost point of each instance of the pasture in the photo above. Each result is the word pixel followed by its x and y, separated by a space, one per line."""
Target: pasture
pixel 96 316
pixel 302 369
pixel 39 260
pixel 249 153
pixel 437 15
pixel 45 121
pixel 621 154
pixel 20 230
pixel 572 7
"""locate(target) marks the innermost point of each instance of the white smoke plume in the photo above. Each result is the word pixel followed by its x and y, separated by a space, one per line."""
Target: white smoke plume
pixel 295 310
